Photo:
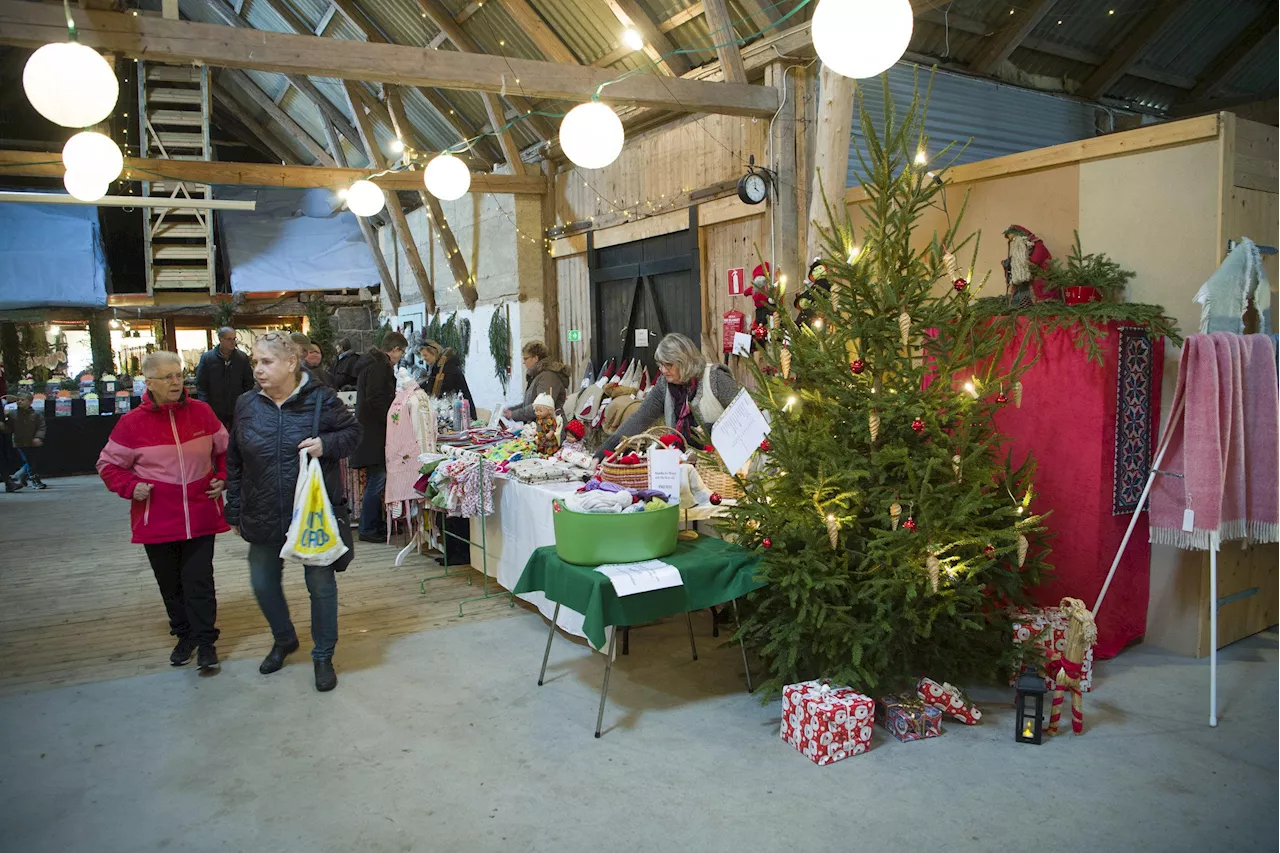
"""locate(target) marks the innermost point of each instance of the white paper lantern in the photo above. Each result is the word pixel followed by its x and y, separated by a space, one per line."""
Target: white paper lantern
pixel 447 177
pixel 91 153
pixel 70 84
pixel 861 38
pixel 365 198
pixel 591 135
pixel 85 186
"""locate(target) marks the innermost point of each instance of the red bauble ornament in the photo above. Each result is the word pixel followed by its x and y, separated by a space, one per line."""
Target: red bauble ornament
pixel 765 446
pixel 1001 398
pixel 709 449
pixel 857 365
pixel 759 332
pixel 909 524
pixel 990 551
pixel 917 425
pixel 715 499
pixel 767 543
pixel 960 285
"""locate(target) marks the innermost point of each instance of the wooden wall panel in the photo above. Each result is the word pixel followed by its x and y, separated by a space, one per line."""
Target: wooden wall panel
pixel 656 166
pixel 575 313
pixel 724 246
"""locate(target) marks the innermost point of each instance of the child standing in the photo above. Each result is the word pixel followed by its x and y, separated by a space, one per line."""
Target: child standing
pixel 28 437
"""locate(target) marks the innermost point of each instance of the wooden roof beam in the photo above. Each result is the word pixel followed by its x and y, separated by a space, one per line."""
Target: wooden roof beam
pixel 658 47
pixel 394 208
pixel 1259 31
pixel 277 113
pixel 725 40
pixel 999 46
pixel 35 24
pixel 544 38
pixel 444 234
pixel 1130 50
pixel 228 102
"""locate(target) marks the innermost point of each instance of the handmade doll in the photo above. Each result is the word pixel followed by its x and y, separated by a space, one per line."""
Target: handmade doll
pixel 547 437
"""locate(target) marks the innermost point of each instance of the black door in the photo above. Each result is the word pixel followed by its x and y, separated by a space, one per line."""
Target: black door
pixel 650 286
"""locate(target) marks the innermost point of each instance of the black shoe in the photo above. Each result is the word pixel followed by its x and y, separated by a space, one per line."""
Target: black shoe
pixel 326 678
pixel 37 483
pixel 11 486
pixel 275 658
pixel 181 654
pixel 380 538
pixel 207 658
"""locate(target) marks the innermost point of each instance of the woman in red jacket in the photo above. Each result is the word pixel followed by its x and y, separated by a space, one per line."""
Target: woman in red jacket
pixel 168 457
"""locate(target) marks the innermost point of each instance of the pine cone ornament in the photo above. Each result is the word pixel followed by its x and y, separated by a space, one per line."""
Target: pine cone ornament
pixel 895 512
pixel 904 327
pixel 953 267
pixel 1016 393
pixel 874 422
pixel 955 466
pixel 935 570
pixel 833 531
pixel 785 360
pixel 1023 545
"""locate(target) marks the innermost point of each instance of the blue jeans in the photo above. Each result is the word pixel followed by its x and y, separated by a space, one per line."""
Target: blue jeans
pixel 373 520
pixel 265 571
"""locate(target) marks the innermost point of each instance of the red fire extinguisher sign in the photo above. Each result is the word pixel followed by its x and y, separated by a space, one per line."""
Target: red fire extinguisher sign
pixel 737 279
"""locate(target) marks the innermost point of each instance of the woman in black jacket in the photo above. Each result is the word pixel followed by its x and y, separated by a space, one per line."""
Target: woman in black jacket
pixel 271 426
pixel 445 374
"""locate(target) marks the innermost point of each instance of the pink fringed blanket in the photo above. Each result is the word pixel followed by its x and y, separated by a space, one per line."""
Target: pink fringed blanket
pixel 1224 446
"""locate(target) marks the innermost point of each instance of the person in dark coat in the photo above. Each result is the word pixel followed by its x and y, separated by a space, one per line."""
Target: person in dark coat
pixel 271 426
pixel 313 361
pixel 375 391
pixel 347 368
pixel 543 376
pixel 444 374
pixel 223 374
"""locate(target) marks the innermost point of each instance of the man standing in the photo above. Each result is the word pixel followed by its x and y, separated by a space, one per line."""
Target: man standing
pixel 224 373
pixel 347 368
pixel 375 391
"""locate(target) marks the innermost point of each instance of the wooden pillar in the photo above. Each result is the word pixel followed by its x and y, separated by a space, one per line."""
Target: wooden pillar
pixel 550 279
pixel 170 341
pixel 784 248
pixel 100 344
pixel 831 153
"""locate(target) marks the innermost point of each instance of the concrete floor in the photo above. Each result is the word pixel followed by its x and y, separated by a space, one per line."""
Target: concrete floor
pixel 443 742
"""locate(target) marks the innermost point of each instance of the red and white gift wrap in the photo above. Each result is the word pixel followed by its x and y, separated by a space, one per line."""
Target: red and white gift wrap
pixel 948 700
pixel 1047 628
pixel 826 723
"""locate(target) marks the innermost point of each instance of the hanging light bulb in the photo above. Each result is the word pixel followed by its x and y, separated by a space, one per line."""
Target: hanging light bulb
pixel 70 84
pixel 365 198
pixel 85 186
pixel 92 153
pixel 632 39
pixel 861 38
pixel 591 135
pixel 447 177
pixel 396 145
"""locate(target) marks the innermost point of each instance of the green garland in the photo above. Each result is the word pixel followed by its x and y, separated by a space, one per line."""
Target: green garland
pixel 500 346
pixel 1090 318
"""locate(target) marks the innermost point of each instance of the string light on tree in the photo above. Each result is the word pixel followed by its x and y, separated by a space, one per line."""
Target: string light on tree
pixel 365 198
pixel 447 177
pixel 591 135
pixel 70 84
pixel 861 38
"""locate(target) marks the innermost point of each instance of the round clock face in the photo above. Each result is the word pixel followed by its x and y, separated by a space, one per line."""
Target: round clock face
pixel 752 189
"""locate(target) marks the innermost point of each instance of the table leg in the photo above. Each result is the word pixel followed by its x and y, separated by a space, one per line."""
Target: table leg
pixel 604 688
pixel 550 636
pixel 746 667
pixel 688 620
pixel 715 622
pixel 626 639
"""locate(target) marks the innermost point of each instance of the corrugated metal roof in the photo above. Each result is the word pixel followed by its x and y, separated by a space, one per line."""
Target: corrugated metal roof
pixel 311 11
pixel 589 29
pixel 1197 34
pixel 1258 73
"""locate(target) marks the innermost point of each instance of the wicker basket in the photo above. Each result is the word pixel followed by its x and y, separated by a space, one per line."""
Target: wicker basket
pixel 630 476
pixel 716 478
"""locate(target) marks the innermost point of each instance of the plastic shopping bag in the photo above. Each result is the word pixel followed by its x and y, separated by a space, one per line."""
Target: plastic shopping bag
pixel 313 534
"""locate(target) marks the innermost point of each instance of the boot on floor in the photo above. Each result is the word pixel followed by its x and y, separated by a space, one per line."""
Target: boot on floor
pixel 11 486
pixel 181 654
pixel 275 658
pixel 207 658
pixel 326 678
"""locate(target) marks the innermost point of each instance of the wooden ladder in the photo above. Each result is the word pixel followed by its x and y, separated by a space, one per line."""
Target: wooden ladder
pixel 174 117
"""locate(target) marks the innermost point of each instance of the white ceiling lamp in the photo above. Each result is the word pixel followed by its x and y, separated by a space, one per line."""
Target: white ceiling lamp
pixel 365 198
pixel 632 39
pixel 861 38
pixel 92 153
pixel 85 186
pixel 447 177
pixel 591 135
pixel 70 84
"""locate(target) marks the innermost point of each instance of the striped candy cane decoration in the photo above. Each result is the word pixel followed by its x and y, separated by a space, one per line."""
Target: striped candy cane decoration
pixel 1057 712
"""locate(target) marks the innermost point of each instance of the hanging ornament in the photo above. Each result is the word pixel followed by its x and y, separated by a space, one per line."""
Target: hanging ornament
pixel 1023 545
pixel 857 366
pixel 715 499
pixel 935 569
pixel 785 360
pixel 833 531
pixel 766 543
pixel 960 285
pixel 953 268
pixel 909 525
pixel 1001 399
pixel 765 446
pixel 990 551
pixel 955 466
pixel 904 327
pixel 895 512
pixel 874 422
pixel 917 425
pixel 759 332
pixel 1016 392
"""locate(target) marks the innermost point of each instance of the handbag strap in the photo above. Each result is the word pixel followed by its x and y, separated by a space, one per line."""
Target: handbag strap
pixel 315 416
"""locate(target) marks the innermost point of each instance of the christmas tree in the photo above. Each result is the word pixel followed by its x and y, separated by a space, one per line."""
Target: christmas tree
pixel 895 534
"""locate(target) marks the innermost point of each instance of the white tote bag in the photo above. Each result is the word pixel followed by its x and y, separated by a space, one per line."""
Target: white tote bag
pixel 313 536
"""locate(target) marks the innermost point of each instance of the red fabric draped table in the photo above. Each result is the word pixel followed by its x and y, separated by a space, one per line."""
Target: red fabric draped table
pixel 1092 429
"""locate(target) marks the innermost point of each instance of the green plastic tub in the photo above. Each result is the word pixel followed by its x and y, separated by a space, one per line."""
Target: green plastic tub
pixel 598 538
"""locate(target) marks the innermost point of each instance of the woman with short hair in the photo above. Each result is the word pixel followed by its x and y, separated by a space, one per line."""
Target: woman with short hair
pixel 289 412
pixel 691 394
pixel 168 458
pixel 542 376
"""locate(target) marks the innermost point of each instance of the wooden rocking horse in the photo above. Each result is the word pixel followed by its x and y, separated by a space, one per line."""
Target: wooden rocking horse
pixel 1067 667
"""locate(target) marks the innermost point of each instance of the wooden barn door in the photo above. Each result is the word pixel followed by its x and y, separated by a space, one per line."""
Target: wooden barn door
pixel 645 289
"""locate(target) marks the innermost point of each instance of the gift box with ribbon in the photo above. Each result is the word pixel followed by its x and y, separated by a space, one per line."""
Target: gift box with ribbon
pixel 908 718
pixel 1046 627
pixel 826 722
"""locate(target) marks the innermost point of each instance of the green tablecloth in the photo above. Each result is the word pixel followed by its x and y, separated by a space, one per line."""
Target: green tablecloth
pixel 713 572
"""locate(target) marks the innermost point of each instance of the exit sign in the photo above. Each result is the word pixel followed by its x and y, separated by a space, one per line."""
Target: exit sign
pixel 575 335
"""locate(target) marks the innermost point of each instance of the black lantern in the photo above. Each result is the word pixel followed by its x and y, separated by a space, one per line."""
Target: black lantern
pixel 1029 704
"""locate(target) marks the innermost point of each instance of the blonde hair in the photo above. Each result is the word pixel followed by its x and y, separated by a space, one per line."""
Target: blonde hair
pixel 683 354
pixel 153 360
pixel 281 345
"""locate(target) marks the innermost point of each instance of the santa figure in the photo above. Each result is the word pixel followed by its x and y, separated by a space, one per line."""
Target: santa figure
pixel 1027 257
pixel 761 293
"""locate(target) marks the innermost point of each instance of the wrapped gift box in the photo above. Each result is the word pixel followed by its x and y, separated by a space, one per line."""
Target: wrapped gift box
pixel 908 718
pixel 1046 627
pixel 826 723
